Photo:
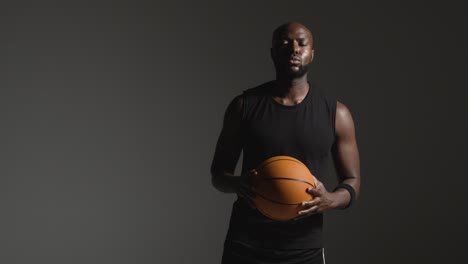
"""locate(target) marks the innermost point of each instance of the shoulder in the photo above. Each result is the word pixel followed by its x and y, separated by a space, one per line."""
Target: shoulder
pixel 236 107
pixel 259 89
pixel 344 121
pixel 238 101
pixel 237 104
pixel 342 112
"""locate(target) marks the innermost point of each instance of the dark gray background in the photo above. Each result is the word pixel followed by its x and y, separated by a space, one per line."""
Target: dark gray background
pixel 110 113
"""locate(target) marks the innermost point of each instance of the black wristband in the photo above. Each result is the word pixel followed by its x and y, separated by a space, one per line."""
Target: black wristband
pixel 351 191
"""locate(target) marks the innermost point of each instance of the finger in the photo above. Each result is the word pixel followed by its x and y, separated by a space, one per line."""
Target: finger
pixel 248 198
pixel 244 193
pixel 316 181
pixel 247 180
pixel 315 192
pixel 249 202
pixel 245 184
pixel 248 189
pixel 247 195
pixel 311 210
pixel 299 217
pixel 250 174
pixel 311 203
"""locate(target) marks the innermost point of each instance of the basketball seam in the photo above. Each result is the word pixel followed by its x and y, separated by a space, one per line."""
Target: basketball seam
pixel 263 165
pixel 273 201
pixel 286 178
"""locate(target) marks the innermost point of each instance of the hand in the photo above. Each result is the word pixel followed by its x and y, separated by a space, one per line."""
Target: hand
pixel 245 188
pixel 322 201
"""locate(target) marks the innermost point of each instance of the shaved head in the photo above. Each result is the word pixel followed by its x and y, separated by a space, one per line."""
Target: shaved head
pixel 279 31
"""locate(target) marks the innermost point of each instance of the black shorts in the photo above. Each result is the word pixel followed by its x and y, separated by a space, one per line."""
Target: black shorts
pixel 237 253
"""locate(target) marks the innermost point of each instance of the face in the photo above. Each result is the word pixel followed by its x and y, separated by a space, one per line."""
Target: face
pixel 292 50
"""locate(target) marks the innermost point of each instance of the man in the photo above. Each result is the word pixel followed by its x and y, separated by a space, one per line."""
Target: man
pixel 285 117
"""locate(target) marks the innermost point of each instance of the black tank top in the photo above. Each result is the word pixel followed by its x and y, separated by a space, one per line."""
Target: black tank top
pixel 305 131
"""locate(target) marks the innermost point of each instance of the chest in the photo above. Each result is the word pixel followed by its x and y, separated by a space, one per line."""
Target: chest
pixel 305 132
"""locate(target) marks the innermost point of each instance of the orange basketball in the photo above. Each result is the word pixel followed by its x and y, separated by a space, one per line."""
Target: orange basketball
pixel 280 187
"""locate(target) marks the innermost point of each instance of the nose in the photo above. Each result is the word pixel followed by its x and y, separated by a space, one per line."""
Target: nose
pixel 295 47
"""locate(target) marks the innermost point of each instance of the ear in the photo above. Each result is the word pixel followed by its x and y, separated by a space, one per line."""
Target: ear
pixel 312 53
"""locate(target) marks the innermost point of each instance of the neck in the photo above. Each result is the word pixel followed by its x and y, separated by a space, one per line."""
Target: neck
pixel 293 88
pixel 290 91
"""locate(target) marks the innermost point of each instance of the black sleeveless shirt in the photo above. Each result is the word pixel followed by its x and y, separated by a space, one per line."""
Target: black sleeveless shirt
pixel 305 131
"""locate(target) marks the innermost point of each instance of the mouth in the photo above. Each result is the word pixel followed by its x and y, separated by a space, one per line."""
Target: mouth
pixel 294 60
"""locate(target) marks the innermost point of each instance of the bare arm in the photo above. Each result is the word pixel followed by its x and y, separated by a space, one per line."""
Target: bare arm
pixel 346 155
pixel 228 149
pixel 346 158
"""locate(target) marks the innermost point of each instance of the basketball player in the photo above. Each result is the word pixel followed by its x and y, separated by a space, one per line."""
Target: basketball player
pixel 286 116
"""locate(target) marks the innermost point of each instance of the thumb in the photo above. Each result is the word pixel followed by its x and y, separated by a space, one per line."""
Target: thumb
pixel 313 191
pixel 316 181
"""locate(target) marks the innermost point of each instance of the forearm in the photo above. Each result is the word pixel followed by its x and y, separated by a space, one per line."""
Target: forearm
pixel 225 182
pixel 342 197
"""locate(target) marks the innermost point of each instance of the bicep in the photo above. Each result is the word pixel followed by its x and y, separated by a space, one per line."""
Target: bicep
pixel 229 146
pixel 345 149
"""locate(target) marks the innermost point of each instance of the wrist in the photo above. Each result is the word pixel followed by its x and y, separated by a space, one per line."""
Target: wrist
pixel 226 183
pixel 347 195
pixel 341 198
